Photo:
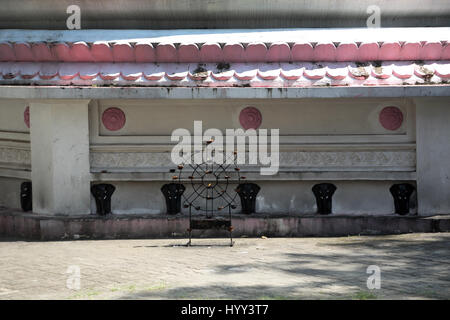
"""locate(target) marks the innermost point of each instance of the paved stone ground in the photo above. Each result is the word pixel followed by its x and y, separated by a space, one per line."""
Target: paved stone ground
pixel 413 266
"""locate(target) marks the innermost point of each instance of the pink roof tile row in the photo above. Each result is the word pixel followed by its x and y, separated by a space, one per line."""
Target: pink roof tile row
pixel 141 52
pixel 235 74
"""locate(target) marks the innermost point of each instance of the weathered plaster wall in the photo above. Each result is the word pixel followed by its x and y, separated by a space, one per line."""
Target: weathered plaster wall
pixel 15 155
pixel 10 192
pixel 299 120
pixel 60 156
pixel 12 119
pixel 294 197
pixel 342 141
pixel 13 124
pixel 293 117
pixel 433 155
pixel 362 158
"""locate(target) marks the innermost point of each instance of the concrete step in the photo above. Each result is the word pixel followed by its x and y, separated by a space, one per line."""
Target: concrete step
pixel 30 226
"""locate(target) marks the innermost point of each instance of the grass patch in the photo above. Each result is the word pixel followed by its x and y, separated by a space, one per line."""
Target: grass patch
pixel 428 294
pixel 274 298
pixel 92 293
pixel 161 286
pixel 84 295
pixel 364 295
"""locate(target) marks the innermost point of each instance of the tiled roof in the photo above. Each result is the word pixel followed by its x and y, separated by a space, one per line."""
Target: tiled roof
pixel 299 74
pixel 146 51
pixel 226 58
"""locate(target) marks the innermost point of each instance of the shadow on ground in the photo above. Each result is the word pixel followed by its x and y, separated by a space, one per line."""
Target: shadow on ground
pixel 411 269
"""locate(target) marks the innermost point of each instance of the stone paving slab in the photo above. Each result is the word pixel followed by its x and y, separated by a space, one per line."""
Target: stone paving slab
pixel 413 266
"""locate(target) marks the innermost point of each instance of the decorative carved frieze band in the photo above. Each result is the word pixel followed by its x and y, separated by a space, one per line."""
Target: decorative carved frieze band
pixel 15 156
pixel 130 159
pixel 329 160
pixel 349 159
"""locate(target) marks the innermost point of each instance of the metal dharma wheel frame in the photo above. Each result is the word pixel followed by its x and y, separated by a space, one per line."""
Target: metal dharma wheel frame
pixel 210 184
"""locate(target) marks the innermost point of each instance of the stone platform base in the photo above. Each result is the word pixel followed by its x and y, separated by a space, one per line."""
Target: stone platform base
pixel 19 225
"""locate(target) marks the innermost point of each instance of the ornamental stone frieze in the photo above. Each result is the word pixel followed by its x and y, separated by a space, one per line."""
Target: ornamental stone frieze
pixel 327 159
pixel 15 156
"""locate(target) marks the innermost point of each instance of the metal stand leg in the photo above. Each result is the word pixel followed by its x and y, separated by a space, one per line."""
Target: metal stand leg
pixel 189 242
pixel 190 227
pixel 231 227
pixel 231 238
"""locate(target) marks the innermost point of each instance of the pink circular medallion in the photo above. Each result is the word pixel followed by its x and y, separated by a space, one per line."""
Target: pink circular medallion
pixel 26 116
pixel 391 118
pixel 250 118
pixel 113 119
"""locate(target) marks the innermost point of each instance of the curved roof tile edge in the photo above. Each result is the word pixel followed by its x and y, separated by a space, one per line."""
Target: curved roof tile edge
pixel 216 75
pixel 226 53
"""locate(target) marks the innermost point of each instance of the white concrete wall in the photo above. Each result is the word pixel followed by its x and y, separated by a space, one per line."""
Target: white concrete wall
pixel 12 124
pixel 321 139
pixel 62 173
pixel 10 192
pixel 301 117
pixel 12 116
pixel 293 197
pixel 60 157
pixel 15 158
pixel 433 155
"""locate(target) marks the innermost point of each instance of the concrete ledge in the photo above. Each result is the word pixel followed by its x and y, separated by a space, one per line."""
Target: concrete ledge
pixel 55 92
pixel 15 173
pixel 18 225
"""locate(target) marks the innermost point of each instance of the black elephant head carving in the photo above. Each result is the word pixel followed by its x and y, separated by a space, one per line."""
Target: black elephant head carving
pixel 173 192
pixel 248 192
pixel 102 194
pixel 401 193
pixel 324 193
pixel 26 196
